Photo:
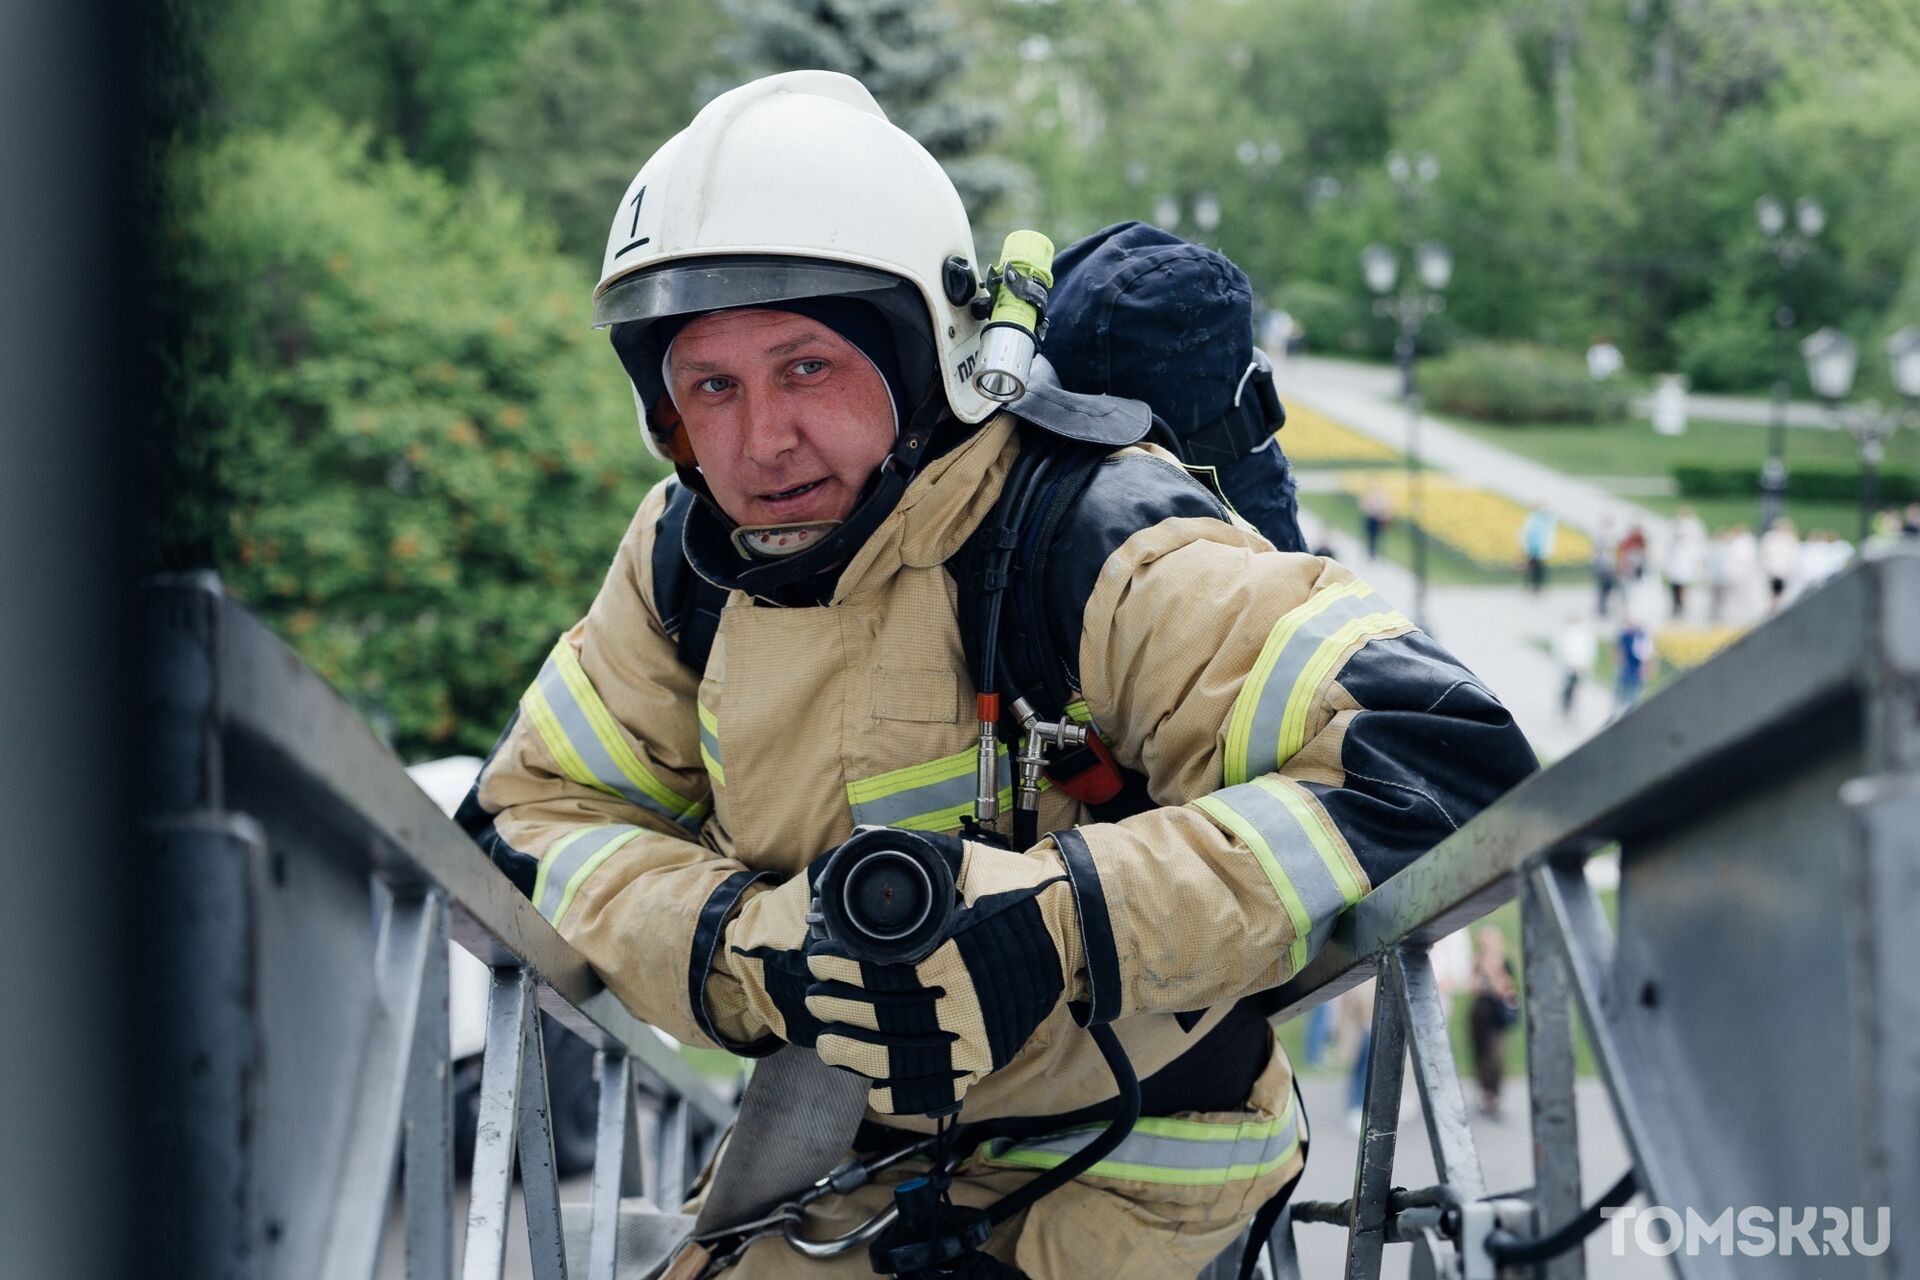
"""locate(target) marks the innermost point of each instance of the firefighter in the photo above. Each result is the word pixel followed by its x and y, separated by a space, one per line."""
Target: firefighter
pixel 776 285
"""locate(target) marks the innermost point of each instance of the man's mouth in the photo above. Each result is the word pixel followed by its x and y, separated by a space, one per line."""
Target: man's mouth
pixel 786 495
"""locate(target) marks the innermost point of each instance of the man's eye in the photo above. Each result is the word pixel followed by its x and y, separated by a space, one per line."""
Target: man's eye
pixel 807 368
pixel 713 386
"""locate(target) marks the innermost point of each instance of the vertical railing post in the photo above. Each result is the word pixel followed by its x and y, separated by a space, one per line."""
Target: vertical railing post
pixel 616 1162
pixel 1550 1082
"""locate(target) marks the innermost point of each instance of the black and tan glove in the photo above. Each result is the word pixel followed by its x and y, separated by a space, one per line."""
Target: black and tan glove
pixel 925 1033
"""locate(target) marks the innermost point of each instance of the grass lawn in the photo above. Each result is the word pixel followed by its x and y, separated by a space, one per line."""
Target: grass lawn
pixel 1631 448
pixel 1445 566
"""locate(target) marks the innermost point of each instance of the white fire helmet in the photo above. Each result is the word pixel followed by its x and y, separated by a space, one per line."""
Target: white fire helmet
pixel 793 186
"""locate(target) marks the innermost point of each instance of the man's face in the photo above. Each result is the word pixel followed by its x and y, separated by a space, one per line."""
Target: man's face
pixel 787 418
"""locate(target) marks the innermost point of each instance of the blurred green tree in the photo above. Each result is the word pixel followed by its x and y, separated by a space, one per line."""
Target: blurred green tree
pixel 422 458
pixel 909 53
pixel 590 95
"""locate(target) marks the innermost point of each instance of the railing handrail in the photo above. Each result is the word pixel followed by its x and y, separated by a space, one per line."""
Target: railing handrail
pixel 1793 667
pixel 266 699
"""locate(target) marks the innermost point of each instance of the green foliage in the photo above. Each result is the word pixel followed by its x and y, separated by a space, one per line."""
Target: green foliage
pixel 425 455
pixel 590 96
pixel 1813 482
pixel 908 53
pixel 1496 383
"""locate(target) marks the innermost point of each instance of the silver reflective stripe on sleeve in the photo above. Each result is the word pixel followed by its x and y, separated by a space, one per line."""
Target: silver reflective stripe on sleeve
pixel 589 745
pixel 1270 718
pixel 572 859
pixel 1311 870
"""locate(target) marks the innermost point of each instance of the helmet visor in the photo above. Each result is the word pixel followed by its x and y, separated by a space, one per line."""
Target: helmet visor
pixel 716 284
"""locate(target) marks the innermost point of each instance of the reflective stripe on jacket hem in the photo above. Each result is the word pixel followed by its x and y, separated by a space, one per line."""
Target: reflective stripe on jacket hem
pixel 1269 722
pixel 1170 1151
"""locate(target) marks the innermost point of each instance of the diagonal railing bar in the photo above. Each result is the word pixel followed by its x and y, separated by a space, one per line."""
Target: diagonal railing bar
pixel 1379 1133
pixel 539 1179
pixel 1585 945
pixel 1408 975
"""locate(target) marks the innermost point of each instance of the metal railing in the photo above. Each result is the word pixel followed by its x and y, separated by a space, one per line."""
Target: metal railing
pixel 1756 1015
pixel 309 889
pixel 1766 808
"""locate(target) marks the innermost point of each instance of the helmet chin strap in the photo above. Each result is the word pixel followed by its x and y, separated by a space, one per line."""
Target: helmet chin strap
pixel 778 541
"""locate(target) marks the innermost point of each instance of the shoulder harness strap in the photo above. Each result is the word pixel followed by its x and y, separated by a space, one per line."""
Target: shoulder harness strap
pixel 689 606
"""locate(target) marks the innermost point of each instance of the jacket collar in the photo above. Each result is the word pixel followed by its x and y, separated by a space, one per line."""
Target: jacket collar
pixel 945 503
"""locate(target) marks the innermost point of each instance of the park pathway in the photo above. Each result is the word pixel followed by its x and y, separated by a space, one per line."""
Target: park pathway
pixel 1364 397
pixel 1504 634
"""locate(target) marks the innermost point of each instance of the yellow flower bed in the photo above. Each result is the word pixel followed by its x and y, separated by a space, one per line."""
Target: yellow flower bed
pixel 1311 437
pixel 1483 526
pixel 1684 647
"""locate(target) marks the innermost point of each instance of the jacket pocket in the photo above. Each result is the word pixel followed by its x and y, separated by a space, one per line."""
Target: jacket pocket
pixel 925 695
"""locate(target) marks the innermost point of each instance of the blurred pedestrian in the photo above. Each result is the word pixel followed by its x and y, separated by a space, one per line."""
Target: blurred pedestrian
pixel 1577 647
pixel 1606 577
pixel 1823 554
pixel 1376 513
pixel 1910 522
pixel 1496 1008
pixel 1779 553
pixel 1686 558
pixel 1885 535
pixel 1353 1016
pixel 1537 537
pixel 1740 566
pixel 1633 653
pixel 1630 557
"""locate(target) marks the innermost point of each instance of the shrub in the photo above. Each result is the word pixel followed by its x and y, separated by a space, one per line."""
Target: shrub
pixel 1819 482
pixel 1335 320
pixel 423 457
pixel 1500 383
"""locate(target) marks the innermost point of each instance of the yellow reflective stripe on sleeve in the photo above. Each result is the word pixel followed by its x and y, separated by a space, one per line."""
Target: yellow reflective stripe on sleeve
pixel 1269 720
pixel 710 744
pixel 589 745
pixel 1314 875
pixel 1172 1152
pixel 570 861
pixel 933 796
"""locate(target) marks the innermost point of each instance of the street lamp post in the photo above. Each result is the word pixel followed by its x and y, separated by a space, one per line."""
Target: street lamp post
pixel 1787 244
pixel 1409 309
pixel 1832 358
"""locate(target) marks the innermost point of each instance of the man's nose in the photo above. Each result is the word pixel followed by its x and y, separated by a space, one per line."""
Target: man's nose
pixel 772 429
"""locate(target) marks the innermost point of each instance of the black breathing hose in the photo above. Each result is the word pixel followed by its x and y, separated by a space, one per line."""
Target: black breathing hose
pixel 1094 1152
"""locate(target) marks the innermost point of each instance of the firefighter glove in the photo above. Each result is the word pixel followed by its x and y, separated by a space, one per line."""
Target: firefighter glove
pixel 924 1033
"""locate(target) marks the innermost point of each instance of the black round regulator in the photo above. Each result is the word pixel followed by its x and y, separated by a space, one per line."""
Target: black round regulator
pixel 887 896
